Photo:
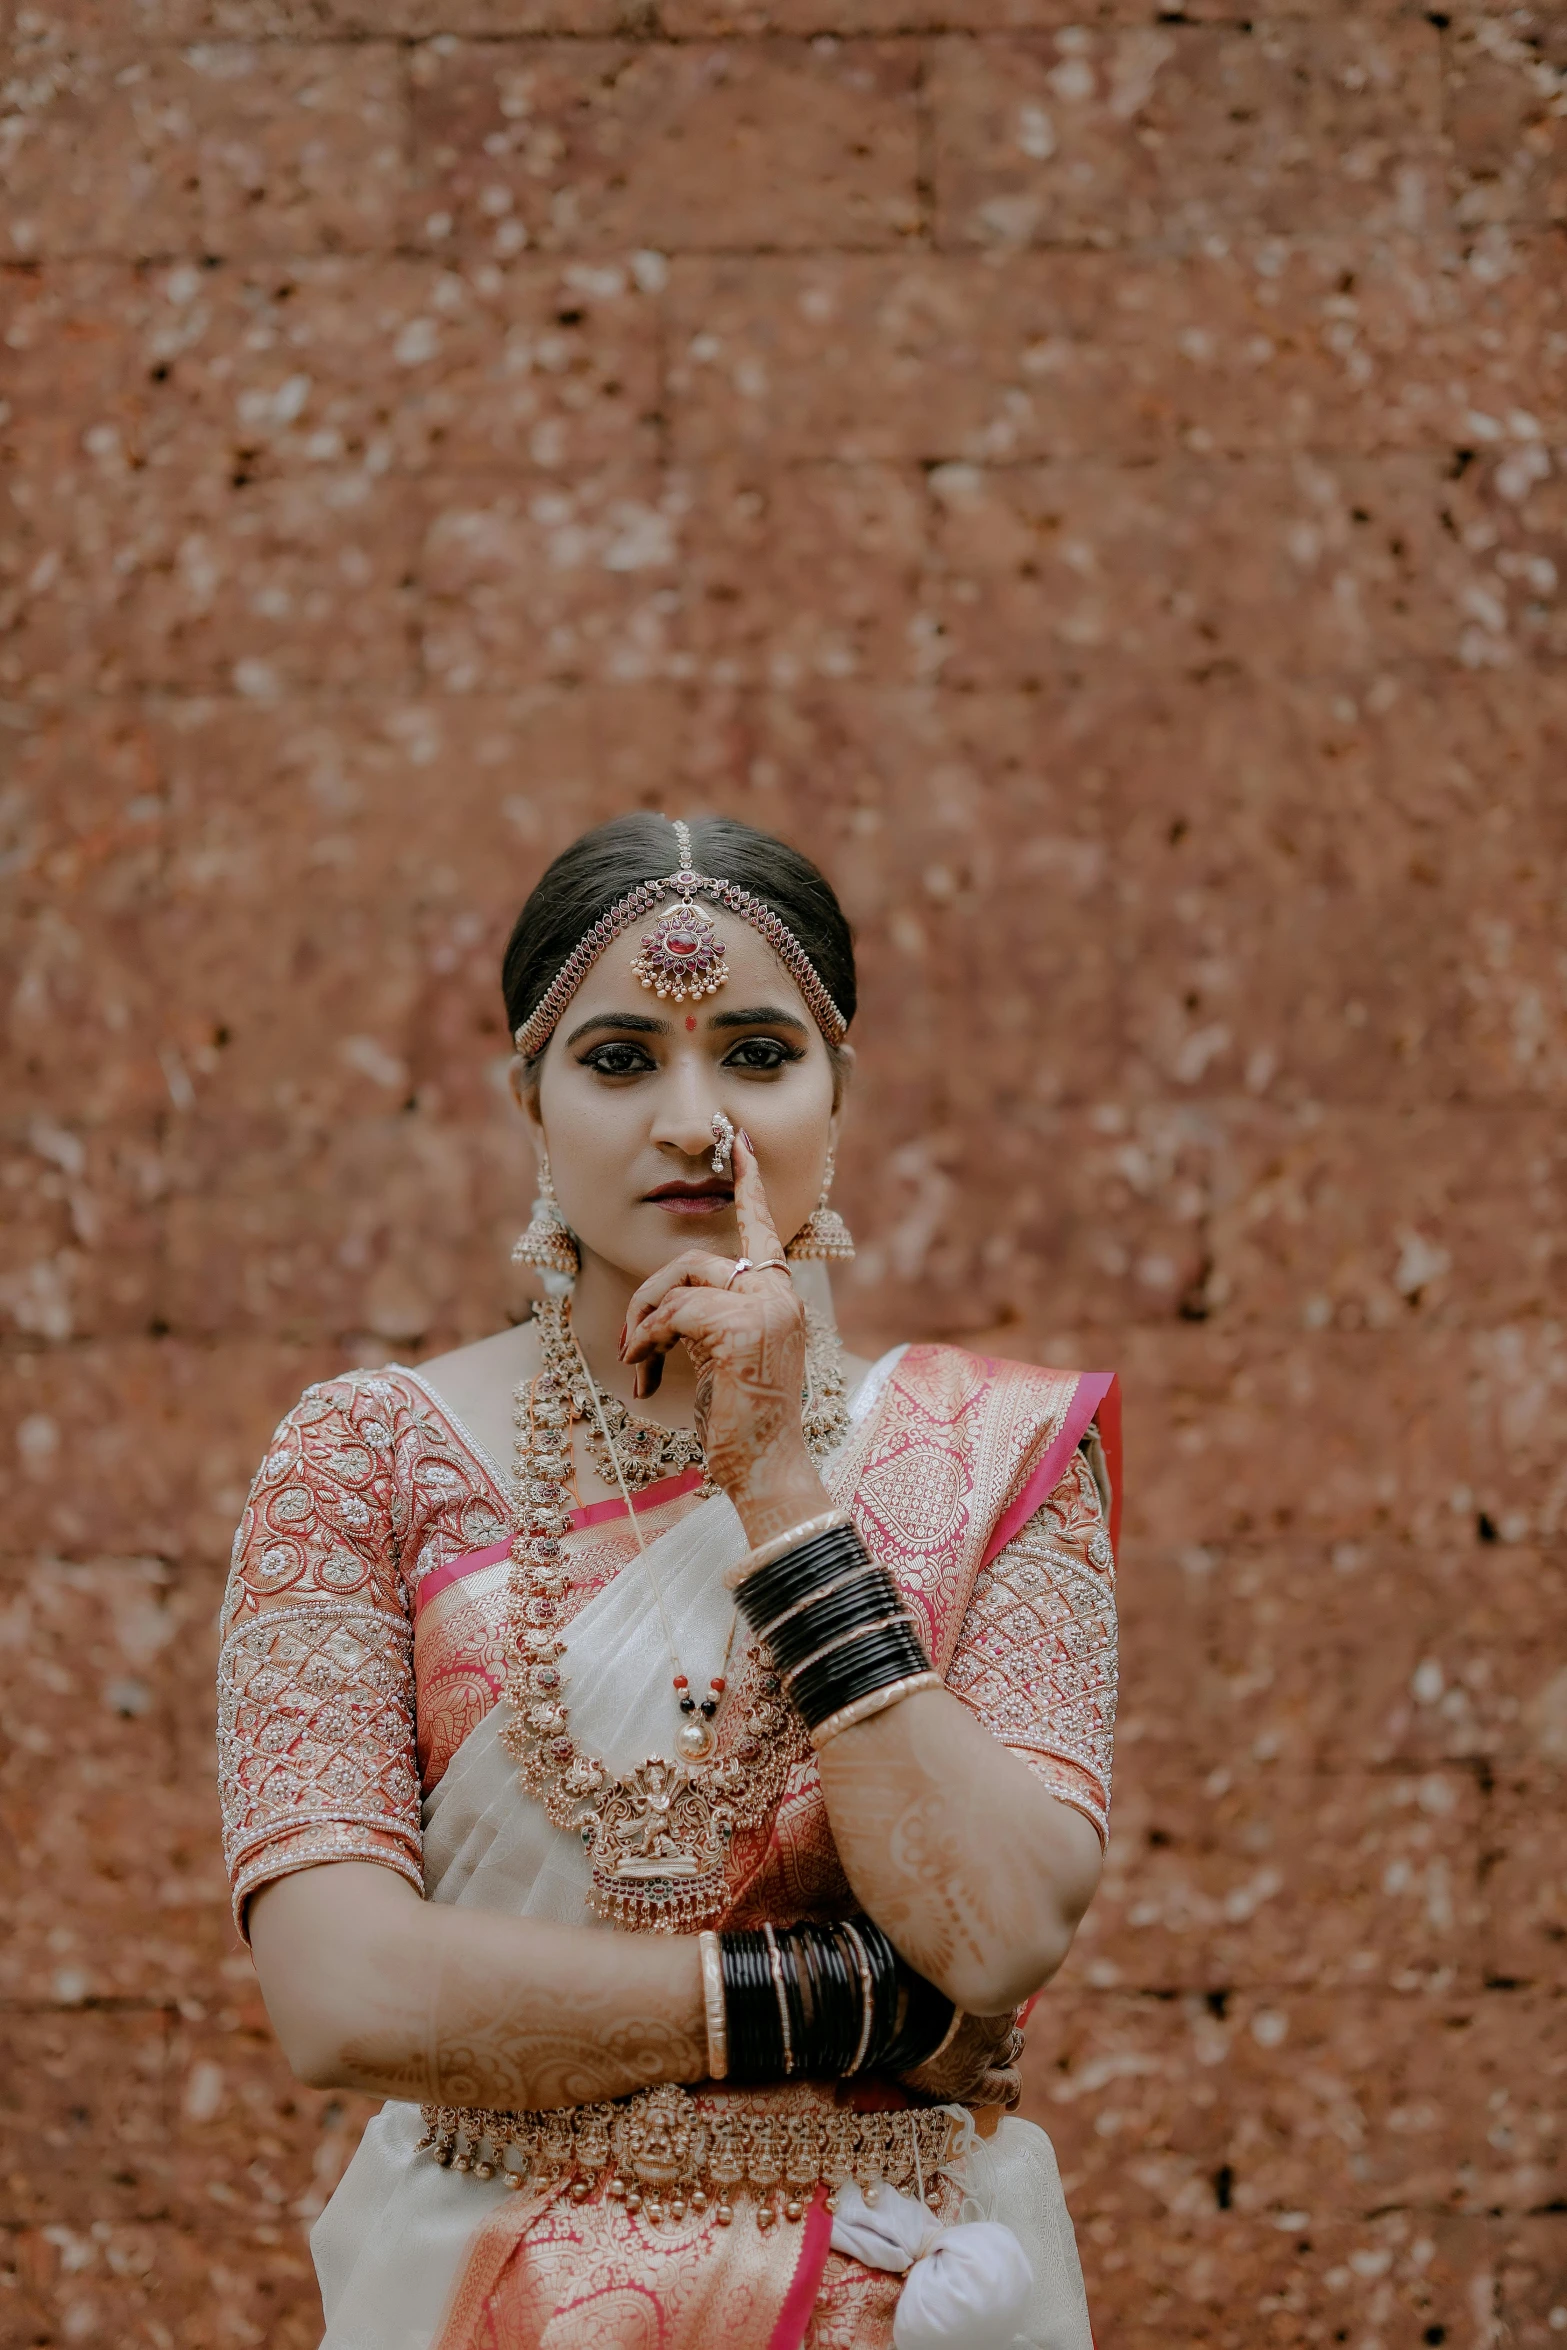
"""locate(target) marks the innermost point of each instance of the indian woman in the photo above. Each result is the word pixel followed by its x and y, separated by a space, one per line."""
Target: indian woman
pixel 663 1754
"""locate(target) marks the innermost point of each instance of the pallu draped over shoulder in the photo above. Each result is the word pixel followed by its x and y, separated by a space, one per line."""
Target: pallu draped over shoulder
pixel 360 1718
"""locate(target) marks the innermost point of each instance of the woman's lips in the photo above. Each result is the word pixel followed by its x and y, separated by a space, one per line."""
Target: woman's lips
pixel 693 1199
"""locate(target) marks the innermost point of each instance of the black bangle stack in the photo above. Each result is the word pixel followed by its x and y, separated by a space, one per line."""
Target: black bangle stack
pixel 823 2002
pixel 835 1622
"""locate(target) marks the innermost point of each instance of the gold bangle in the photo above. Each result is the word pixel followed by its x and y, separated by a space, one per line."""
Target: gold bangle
pixel 713 2004
pixel 775 1968
pixel 864 1709
pixel 774 1548
pixel 843 1640
pixel 867 1992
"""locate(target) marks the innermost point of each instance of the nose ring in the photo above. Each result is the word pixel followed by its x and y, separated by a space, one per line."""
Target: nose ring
pixel 723 1143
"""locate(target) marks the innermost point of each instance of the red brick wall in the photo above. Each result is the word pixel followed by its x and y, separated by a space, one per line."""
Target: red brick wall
pixel 1099 487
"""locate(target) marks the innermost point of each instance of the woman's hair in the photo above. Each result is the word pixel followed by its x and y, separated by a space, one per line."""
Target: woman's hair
pixel 607 863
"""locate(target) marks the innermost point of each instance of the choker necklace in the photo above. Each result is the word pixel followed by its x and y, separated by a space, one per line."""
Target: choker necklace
pixel 623 1449
pixel 657 1836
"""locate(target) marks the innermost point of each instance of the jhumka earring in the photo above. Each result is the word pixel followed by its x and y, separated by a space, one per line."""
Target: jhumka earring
pixel 824 1232
pixel 549 1245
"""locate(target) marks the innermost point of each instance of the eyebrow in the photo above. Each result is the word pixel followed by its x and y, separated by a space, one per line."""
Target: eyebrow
pixel 761 1015
pixel 638 1022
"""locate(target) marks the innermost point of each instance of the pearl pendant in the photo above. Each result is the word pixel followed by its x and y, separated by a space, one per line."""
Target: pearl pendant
pixel 695 1739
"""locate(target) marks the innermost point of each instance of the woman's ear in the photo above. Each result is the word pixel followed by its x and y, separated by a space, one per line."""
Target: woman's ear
pixel 843 1065
pixel 524 1085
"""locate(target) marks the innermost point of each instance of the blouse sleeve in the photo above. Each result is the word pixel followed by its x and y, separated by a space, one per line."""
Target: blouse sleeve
pixel 1036 1657
pixel 315 1675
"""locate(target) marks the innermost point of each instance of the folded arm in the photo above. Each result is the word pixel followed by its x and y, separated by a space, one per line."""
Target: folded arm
pixel 368 1987
pixel 977 1872
pixel 977 1863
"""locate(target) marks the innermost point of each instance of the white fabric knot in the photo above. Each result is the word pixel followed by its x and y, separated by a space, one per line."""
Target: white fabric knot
pixel 968 2284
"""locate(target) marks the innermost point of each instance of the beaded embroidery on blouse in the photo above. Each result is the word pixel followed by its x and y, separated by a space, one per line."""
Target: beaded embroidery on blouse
pixel 1037 1661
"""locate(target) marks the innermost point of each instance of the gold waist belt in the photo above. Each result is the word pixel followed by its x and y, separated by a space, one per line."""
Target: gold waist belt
pixel 667 2151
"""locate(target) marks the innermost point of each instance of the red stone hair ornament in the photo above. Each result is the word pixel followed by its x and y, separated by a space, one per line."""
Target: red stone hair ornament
pixel 683 954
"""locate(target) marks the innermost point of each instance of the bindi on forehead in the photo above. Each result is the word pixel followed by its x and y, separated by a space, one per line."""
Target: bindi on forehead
pixel 690 1022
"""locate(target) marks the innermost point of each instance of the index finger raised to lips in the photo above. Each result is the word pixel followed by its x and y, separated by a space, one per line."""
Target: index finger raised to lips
pixel 758 1233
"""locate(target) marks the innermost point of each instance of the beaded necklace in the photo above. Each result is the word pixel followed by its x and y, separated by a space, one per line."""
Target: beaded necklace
pixel 658 1835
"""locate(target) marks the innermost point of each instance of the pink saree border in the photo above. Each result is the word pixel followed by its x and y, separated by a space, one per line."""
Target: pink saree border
pixel 800 2300
pixel 594 1513
pixel 1093 1390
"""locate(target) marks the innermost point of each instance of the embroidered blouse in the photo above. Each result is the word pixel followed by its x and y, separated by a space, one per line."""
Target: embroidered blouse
pixel 364 1618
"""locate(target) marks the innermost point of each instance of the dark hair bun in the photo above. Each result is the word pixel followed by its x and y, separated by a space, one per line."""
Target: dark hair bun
pixel 607 863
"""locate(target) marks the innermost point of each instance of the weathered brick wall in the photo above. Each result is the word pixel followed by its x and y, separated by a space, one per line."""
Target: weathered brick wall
pixel 1101 486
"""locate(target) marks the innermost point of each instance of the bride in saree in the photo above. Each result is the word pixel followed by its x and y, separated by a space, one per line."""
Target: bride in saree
pixel 662 1754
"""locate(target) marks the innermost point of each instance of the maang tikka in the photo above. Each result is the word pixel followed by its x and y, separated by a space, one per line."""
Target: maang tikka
pixel 824 1232
pixel 549 1245
pixel 683 955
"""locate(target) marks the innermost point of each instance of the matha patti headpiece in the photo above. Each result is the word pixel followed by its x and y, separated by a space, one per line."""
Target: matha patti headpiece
pixel 682 955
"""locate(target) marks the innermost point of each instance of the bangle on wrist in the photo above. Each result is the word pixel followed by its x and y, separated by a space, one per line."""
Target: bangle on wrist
pixel 887 1654
pixel 799 1572
pixel 780 1989
pixel 834 1621
pixel 916 2018
pixel 947 2037
pixel 818 2002
pixel 865 1709
pixel 778 1544
pixel 862 1968
pixel 856 1632
pixel 713 2006
pixel 844 1582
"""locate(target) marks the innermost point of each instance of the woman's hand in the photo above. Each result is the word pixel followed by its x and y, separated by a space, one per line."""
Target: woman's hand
pixel 746 1340
pixel 978 2066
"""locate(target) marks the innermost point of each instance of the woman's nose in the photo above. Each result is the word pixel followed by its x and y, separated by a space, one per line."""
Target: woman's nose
pixel 683 1120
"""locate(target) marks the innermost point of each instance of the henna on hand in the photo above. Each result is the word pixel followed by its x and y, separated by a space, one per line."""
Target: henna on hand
pixel 978 2066
pixel 526 2052
pixel 747 1348
pixel 371 1988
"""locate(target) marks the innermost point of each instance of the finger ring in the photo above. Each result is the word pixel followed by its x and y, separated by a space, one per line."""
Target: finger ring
pixel 767 1265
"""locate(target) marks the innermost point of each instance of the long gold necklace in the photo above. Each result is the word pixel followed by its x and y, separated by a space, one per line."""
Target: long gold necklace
pixel 657 1836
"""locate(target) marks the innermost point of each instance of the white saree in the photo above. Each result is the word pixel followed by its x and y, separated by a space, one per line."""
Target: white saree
pixel 391 2246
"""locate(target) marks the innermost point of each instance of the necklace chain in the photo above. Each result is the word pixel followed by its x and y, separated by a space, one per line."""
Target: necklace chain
pixel 657 1836
pixel 696 1737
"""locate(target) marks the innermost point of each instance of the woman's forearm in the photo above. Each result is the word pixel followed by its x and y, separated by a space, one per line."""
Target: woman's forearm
pixel 977 1873
pixel 369 1987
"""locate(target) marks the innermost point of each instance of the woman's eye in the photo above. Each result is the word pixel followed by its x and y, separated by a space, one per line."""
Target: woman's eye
pixel 760 1052
pixel 617 1060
